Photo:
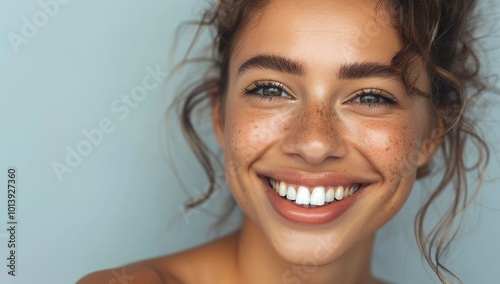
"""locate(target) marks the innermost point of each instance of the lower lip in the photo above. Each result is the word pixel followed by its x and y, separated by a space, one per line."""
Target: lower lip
pixel 309 216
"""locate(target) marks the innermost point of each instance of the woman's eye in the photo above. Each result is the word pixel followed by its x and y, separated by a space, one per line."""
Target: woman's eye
pixel 373 98
pixel 267 90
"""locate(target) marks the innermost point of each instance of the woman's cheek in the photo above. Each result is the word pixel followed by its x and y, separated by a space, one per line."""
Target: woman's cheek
pixel 391 148
pixel 247 136
pixel 250 133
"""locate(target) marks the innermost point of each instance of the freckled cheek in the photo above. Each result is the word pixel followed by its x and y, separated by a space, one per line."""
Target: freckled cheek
pixel 249 134
pixel 247 137
pixel 390 148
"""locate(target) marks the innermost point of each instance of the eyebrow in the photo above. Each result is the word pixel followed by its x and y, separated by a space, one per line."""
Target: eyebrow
pixel 273 62
pixel 357 70
pixel 361 70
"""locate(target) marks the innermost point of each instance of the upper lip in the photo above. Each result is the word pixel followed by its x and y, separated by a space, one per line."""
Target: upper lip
pixel 311 179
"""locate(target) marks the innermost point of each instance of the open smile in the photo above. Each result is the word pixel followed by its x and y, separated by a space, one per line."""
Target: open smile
pixel 311 197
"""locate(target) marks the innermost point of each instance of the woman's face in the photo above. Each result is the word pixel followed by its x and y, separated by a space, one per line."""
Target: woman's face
pixel 314 112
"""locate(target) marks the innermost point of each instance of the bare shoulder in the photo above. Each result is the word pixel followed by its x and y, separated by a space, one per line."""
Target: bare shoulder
pixel 191 266
pixel 201 264
pixel 129 275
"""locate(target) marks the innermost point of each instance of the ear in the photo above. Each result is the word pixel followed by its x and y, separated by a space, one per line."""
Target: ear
pixel 429 146
pixel 217 116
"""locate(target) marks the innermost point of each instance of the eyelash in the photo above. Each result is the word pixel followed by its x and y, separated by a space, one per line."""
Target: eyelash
pixel 386 99
pixel 261 85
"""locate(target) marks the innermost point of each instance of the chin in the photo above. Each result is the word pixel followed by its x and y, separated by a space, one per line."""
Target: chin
pixel 311 247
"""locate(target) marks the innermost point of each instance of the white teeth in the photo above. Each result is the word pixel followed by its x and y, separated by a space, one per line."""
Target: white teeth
pixel 318 196
pixel 291 194
pixel 282 189
pixel 303 196
pixel 330 195
pixel 339 192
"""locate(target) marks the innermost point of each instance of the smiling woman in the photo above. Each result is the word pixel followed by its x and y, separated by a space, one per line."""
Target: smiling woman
pixel 315 122
pixel 327 112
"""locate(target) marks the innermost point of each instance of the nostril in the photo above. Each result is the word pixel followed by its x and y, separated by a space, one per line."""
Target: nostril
pixel 315 151
pixel 315 135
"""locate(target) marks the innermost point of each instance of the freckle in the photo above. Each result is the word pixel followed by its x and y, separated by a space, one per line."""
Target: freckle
pixel 387 149
pixel 255 126
pixel 239 131
pixel 392 208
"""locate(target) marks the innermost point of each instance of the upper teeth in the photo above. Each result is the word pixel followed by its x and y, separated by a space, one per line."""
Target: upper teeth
pixel 316 196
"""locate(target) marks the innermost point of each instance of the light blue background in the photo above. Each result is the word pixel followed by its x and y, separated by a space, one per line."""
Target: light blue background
pixel 122 202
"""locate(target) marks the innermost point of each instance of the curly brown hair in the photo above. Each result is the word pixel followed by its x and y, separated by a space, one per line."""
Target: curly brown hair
pixel 440 33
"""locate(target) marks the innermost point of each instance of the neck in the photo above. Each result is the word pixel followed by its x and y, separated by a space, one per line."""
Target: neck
pixel 258 262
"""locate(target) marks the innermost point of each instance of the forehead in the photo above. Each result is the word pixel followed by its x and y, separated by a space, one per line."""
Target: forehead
pixel 320 33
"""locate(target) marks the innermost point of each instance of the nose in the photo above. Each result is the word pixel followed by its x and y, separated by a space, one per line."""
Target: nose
pixel 315 135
